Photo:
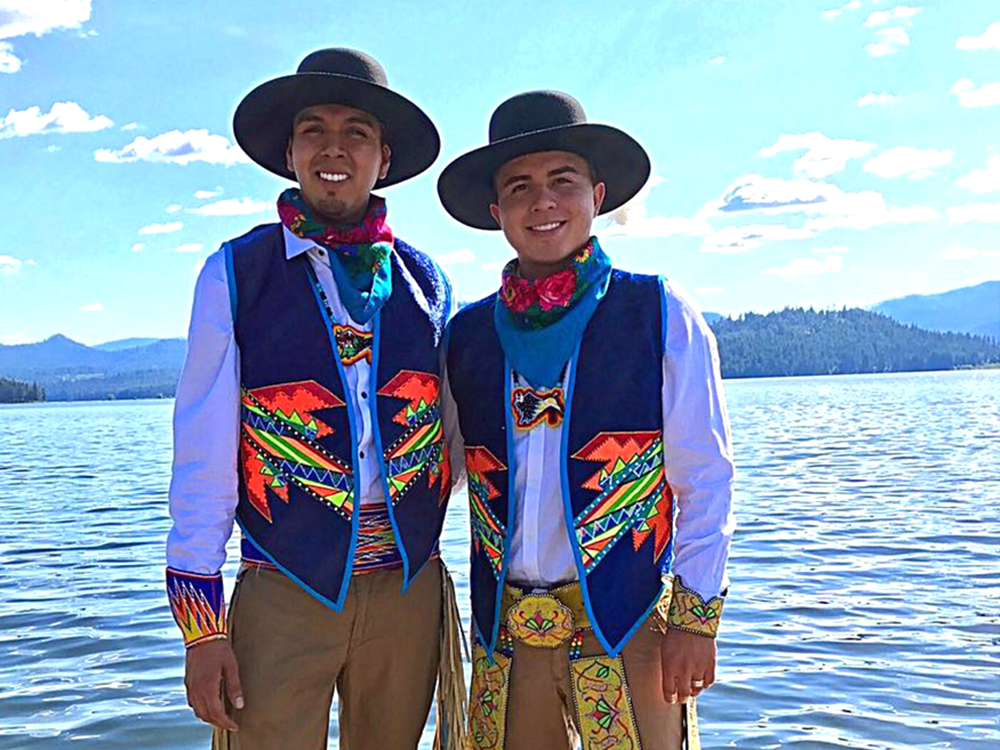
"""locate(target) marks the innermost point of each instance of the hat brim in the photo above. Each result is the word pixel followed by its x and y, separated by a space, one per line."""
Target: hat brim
pixel 263 121
pixel 466 185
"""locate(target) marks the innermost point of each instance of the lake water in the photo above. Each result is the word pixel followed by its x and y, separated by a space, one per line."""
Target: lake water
pixel 864 610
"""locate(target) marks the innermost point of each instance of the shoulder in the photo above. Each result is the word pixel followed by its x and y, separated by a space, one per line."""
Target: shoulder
pixel 685 322
pixel 423 267
pixel 271 232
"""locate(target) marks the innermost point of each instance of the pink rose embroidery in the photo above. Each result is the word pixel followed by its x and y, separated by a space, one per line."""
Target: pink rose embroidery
pixel 518 293
pixel 556 290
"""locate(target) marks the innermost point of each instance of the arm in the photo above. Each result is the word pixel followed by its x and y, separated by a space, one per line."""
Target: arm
pixel 203 495
pixel 449 409
pixel 699 467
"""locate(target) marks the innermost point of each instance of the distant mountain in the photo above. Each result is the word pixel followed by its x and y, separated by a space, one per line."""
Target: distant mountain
pixel 971 309
pixel 832 342
pixel 70 371
pixel 117 346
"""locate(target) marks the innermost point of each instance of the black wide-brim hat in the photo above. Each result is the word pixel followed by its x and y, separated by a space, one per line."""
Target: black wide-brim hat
pixel 263 120
pixel 541 121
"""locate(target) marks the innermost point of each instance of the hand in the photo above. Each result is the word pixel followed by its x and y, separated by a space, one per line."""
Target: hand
pixel 688 661
pixel 209 669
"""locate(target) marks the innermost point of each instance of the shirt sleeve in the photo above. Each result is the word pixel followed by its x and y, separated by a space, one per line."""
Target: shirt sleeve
pixel 449 409
pixel 697 447
pixel 203 486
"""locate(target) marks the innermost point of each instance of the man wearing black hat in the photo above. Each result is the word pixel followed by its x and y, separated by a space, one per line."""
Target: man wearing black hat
pixel 590 402
pixel 309 410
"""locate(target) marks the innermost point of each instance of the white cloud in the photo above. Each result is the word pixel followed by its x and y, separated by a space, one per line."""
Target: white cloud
pixel 880 17
pixel 902 160
pixel 92 307
pixel 959 253
pixel 989 39
pixel 138 247
pixel 882 100
pixel 232 207
pixel 10 266
pixel 745 238
pixel 52 149
pixel 63 117
pixel 170 226
pixel 836 249
pixel 829 15
pixel 829 205
pixel 984 212
pixel 986 95
pixel 174 208
pixel 807 267
pixel 494 266
pixel 465 255
pixel 983 180
pixel 38 17
pixel 633 221
pixel 177 147
pixel 192 247
pixel 204 194
pixel 13 338
pixel 823 155
pixel 131 126
pixel 704 291
pixel 888 41
pixel 9 62
pixel 717 60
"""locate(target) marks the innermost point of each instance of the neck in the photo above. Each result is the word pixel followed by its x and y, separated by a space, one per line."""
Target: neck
pixel 531 270
pixel 345 219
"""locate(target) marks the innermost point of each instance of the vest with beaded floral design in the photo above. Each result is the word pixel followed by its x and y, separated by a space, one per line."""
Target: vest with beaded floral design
pixel 298 503
pixel 617 503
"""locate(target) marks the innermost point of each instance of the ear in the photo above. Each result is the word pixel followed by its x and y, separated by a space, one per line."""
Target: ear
pixel 288 157
pixel 495 213
pixel 386 161
pixel 599 190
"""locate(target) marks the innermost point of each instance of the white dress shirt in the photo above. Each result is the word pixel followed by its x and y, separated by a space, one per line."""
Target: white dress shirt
pixel 203 486
pixel 698 463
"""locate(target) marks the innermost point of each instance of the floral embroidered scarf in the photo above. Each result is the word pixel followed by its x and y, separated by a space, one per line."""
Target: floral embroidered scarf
pixel 540 321
pixel 359 253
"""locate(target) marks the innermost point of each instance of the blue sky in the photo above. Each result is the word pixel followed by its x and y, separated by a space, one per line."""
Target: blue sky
pixel 805 153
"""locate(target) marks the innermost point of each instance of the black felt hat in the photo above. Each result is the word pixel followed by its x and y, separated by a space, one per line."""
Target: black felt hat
pixel 263 120
pixel 541 121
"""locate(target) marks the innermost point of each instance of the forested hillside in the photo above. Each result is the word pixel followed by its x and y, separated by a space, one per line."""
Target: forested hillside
pixel 16 392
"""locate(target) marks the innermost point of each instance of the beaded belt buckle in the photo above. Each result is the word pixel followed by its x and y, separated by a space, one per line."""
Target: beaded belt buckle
pixel 540 620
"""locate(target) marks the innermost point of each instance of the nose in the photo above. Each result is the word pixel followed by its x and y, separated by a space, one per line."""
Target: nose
pixel 333 146
pixel 544 199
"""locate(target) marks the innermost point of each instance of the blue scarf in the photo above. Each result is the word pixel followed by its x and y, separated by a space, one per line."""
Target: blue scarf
pixel 540 322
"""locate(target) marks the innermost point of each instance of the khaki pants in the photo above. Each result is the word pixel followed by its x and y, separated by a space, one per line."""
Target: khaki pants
pixel 541 699
pixel 380 653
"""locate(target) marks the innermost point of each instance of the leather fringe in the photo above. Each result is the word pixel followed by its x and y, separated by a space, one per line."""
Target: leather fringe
pixel 451 695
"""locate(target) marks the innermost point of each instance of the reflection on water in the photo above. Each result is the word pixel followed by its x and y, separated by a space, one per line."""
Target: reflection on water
pixel 863 611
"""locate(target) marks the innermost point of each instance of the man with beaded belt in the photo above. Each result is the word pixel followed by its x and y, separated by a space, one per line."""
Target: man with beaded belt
pixel 589 402
pixel 309 409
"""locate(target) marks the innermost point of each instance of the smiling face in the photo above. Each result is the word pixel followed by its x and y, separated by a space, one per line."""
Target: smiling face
pixel 546 203
pixel 337 154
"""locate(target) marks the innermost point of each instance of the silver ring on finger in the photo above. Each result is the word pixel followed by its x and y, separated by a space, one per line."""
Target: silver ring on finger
pixel 698 683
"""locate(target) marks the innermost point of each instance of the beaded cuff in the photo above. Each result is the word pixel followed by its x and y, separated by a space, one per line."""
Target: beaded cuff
pixel 198 604
pixel 689 612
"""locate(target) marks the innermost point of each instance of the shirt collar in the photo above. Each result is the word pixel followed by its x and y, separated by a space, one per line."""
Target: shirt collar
pixel 295 245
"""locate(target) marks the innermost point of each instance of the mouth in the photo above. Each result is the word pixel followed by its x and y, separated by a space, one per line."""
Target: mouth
pixel 333 177
pixel 546 228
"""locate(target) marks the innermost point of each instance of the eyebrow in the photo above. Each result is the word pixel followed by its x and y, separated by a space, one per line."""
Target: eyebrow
pixel 569 168
pixel 354 119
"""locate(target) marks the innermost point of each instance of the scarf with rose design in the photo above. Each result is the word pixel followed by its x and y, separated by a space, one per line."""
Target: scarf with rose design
pixel 359 253
pixel 540 321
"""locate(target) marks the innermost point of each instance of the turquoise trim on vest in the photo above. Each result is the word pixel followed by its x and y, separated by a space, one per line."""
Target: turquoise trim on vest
pixel 227 251
pixel 373 408
pixel 335 606
pixel 356 499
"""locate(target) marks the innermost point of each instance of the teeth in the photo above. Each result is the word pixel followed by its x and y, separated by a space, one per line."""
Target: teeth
pixel 546 227
pixel 332 176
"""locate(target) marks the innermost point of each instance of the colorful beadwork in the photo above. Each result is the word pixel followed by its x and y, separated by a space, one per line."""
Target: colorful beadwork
pixel 198 605
pixel 376 548
pixel 353 345
pixel 689 612
pixel 576 645
pixel 488 532
pixel 488 699
pixel 421 449
pixel 541 621
pixel 278 446
pixel 532 407
pixel 603 704
pixel 634 494
pixel 505 641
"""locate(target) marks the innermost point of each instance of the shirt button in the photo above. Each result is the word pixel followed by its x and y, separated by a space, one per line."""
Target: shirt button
pixel 364 394
pixel 321 251
pixel 361 453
